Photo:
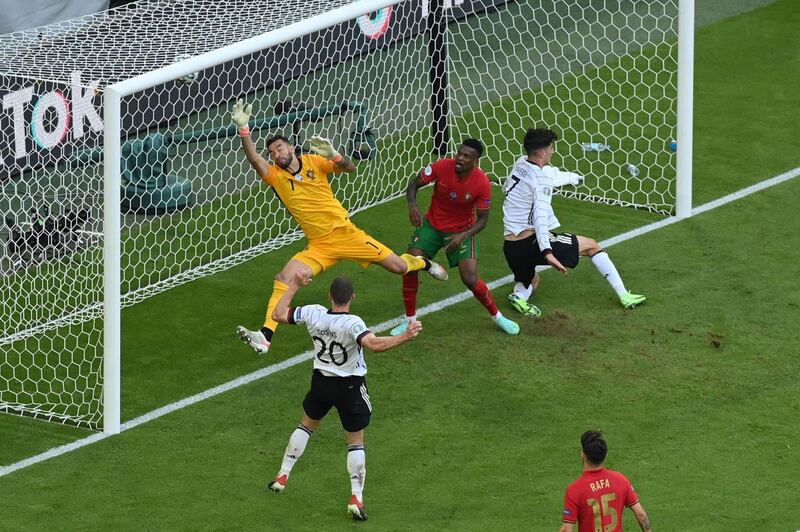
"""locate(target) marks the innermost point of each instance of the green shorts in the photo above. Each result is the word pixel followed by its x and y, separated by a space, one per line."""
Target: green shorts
pixel 431 240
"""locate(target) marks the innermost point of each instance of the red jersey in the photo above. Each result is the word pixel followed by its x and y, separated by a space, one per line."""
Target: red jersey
pixel 597 499
pixel 454 200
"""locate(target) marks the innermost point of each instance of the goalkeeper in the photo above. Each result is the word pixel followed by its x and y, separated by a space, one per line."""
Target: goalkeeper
pixel 301 183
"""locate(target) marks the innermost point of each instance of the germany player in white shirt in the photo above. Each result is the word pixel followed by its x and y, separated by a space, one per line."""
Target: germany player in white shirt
pixel 528 222
pixel 338 377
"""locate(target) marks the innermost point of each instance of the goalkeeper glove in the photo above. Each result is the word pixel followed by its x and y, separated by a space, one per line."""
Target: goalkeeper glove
pixel 323 146
pixel 241 117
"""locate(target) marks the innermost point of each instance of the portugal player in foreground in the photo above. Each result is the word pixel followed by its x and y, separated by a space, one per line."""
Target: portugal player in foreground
pixel 460 189
pixel 302 185
pixel 596 500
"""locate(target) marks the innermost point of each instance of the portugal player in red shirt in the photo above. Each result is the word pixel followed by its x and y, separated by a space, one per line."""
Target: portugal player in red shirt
pixel 596 500
pixel 460 190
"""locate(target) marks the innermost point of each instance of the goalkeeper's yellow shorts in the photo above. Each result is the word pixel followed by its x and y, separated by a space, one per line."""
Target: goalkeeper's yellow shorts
pixel 343 243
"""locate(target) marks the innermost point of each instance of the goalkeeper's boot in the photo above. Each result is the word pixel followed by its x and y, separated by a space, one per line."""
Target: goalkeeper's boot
pixel 254 339
pixel 507 325
pixel 400 329
pixel 629 300
pixel 437 271
pixel 278 484
pixel 523 306
pixel 356 509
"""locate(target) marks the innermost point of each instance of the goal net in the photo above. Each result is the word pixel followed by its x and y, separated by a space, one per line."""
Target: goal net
pixel 394 86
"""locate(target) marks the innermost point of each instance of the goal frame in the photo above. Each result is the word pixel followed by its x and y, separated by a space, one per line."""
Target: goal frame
pixel 112 175
pixel 113 94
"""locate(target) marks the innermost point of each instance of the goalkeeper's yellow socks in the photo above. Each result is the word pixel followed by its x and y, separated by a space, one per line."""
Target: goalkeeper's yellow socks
pixel 415 263
pixel 278 289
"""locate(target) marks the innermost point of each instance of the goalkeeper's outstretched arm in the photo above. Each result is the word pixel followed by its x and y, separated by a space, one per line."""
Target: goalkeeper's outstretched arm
pixel 324 147
pixel 256 161
pixel 345 164
pixel 241 117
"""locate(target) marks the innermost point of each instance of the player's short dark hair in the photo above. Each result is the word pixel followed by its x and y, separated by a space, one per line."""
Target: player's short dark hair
pixel 475 144
pixel 276 138
pixel 594 446
pixel 536 139
pixel 342 290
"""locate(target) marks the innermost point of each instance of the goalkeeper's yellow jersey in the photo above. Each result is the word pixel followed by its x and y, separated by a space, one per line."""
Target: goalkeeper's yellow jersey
pixel 308 195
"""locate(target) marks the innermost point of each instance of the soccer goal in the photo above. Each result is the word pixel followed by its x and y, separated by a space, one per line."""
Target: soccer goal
pixel 122 175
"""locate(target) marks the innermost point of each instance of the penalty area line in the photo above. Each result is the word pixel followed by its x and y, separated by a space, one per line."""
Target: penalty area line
pixel 428 309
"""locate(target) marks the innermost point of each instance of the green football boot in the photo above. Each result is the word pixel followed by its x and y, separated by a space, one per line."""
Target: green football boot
pixel 629 300
pixel 523 306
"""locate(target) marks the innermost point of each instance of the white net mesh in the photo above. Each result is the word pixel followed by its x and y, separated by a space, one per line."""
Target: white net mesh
pixel 598 71
pixel 136 38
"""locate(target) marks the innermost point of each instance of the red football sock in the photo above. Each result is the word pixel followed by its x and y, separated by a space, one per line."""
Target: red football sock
pixel 486 298
pixel 410 287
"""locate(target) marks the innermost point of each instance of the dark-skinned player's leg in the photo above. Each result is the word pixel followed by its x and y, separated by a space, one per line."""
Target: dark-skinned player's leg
pixel 468 268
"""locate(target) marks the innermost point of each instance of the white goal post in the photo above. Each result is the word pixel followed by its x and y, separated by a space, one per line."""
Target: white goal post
pixel 159 194
pixel 112 152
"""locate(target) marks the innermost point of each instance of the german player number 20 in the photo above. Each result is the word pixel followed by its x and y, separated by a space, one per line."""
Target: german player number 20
pixel 331 350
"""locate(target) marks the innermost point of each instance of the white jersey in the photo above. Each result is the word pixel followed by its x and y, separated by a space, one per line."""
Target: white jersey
pixel 337 339
pixel 528 194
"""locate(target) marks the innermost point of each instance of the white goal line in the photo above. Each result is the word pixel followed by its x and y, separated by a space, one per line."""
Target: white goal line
pixel 433 307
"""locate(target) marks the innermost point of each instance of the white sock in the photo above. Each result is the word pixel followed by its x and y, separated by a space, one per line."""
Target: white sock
pixel 607 269
pixel 412 318
pixel 497 316
pixel 357 469
pixel 522 291
pixel 293 452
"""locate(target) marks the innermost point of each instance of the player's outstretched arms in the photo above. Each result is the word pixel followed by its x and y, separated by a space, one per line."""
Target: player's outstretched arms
pixel 641 516
pixel 241 117
pixel 566 527
pixel 384 343
pixel 281 311
pixel 324 147
pixel 563 178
